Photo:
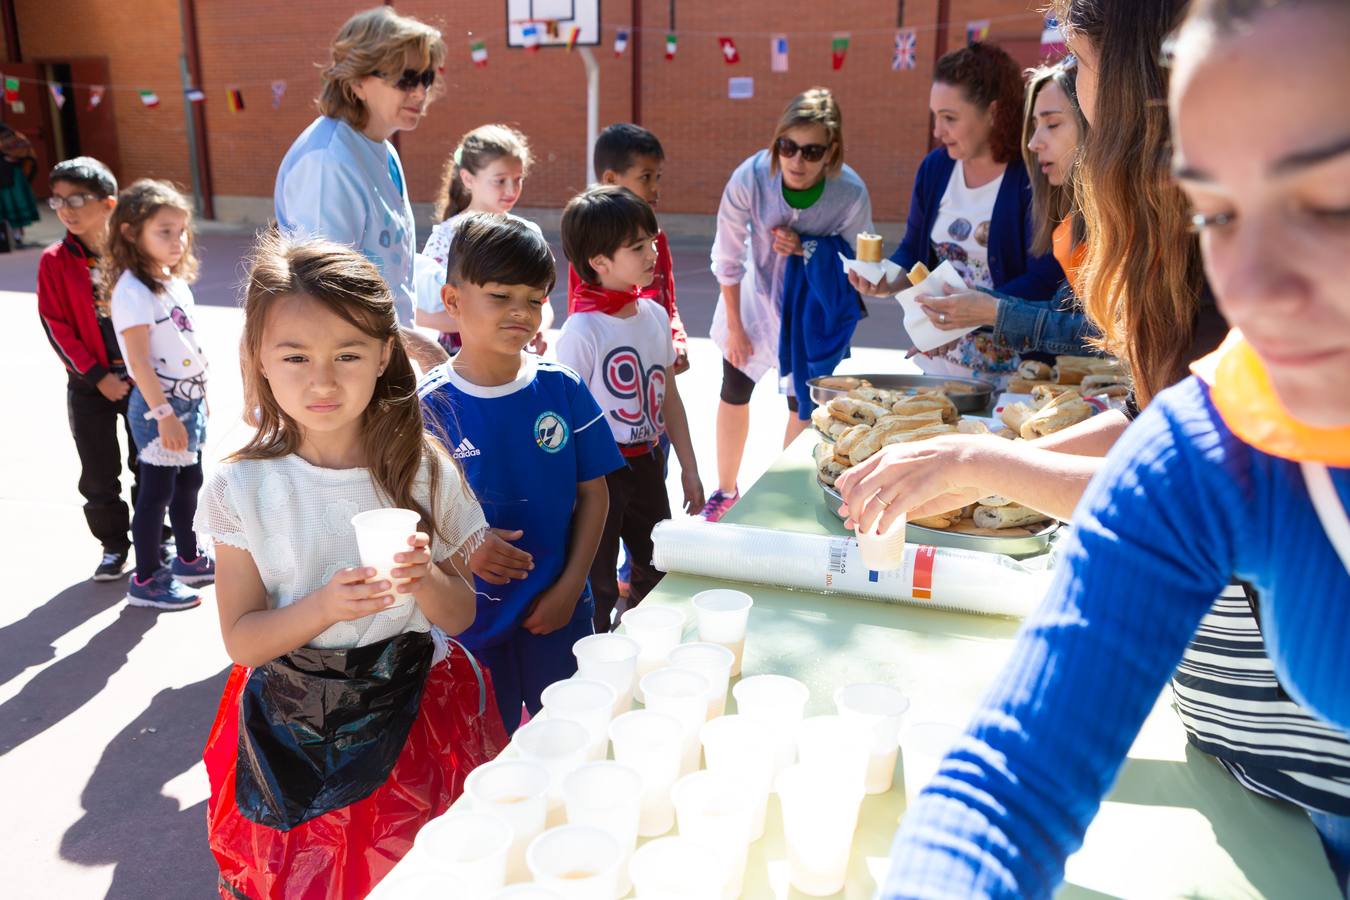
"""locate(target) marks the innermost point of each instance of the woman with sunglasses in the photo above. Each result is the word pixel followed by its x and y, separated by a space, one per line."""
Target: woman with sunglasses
pixel 972 203
pixel 799 185
pixel 1242 468
pixel 342 178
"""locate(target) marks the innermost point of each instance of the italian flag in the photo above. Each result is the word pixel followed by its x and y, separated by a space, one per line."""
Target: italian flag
pixel 478 51
pixel 670 46
pixel 838 48
pixel 150 98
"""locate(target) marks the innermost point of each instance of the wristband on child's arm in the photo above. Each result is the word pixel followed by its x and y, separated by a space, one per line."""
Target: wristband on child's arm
pixel 163 411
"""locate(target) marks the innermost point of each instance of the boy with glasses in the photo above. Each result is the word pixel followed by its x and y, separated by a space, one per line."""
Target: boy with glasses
pixel 74 307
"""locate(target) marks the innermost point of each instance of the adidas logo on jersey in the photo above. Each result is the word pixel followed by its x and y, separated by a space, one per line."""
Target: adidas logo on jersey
pixel 465 450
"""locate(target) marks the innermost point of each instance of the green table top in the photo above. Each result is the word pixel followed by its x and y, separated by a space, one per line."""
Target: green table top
pixel 1176 824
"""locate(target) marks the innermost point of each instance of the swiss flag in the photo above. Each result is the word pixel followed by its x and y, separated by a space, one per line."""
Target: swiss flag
pixel 729 51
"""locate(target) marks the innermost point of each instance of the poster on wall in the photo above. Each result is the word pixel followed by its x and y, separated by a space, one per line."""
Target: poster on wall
pixel 740 88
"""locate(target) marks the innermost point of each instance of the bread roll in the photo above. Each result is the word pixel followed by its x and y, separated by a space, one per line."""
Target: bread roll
pixel 1019 385
pixel 869 247
pixel 840 382
pixel 1014 414
pixel 958 387
pixel 1054 417
pixel 1006 432
pixel 920 434
pixel 1096 383
pixel 821 419
pixel 917 420
pixel 845 441
pixel 971 426
pixel 923 402
pixel 1045 394
pixel 992 500
pixel 855 412
pixel 940 522
pixel 1009 516
pixel 1032 370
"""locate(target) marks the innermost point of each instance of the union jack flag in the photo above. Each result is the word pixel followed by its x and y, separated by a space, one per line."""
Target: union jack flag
pixel 905 47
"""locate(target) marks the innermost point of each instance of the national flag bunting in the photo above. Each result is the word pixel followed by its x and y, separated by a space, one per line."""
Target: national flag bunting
pixel 729 52
pixel 529 37
pixel 149 98
pixel 278 91
pixel 778 53
pixel 977 31
pixel 11 89
pixel 620 41
pixel 670 46
pixel 478 53
pixel 1052 39
pixel 58 94
pixel 573 33
pixel 551 28
pixel 838 48
pixel 195 95
pixel 95 95
pixel 905 46
pixel 235 100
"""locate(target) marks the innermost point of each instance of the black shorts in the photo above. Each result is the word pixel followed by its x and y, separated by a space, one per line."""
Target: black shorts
pixel 737 387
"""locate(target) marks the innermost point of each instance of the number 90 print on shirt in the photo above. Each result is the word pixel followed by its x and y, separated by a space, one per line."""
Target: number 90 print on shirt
pixel 641 393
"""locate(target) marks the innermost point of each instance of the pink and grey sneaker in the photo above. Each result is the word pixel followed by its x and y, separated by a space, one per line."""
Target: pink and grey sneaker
pixel 718 504
pixel 194 572
pixel 161 591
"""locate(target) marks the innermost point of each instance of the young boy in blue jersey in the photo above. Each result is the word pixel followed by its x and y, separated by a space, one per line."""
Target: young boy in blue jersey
pixel 534 447
pixel 619 341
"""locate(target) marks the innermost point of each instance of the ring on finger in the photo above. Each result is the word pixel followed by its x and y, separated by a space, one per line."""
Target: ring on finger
pixel 942 318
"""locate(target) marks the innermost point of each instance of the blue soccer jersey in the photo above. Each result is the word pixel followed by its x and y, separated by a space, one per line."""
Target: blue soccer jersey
pixel 524 447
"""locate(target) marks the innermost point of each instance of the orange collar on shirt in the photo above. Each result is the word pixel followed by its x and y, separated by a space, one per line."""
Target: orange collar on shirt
pixel 1242 393
pixel 1069 256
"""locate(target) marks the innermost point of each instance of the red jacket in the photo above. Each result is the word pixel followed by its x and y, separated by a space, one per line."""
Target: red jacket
pixel 66 306
pixel 662 290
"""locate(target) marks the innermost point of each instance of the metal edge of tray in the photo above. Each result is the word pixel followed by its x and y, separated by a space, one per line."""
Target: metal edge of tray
pixel 972 402
pixel 1030 545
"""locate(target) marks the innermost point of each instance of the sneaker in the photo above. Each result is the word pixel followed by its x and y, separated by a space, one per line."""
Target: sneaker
pixel 201 570
pixel 718 504
pixel 113 567
pixel 161 591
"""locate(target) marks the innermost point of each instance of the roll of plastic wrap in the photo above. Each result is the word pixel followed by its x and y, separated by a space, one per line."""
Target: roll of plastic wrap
pixel 942 577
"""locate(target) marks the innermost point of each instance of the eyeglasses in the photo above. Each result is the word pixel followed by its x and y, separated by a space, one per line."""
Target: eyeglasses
pixel 411 79
pixel 74 201
pixel 788 148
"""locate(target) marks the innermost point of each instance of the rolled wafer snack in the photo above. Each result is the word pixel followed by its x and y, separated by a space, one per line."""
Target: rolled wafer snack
pixel 1010 516
pixel 918 274
pixel 869 247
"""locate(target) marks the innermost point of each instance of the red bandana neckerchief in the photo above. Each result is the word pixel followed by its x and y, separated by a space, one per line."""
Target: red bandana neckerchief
pixel 594 298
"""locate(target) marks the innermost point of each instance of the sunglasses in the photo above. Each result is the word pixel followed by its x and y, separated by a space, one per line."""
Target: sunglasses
pixel 74 201
pixel 411 79
pixel 788 148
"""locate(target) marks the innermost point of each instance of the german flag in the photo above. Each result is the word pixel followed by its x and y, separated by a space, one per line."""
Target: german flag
pixel 235 98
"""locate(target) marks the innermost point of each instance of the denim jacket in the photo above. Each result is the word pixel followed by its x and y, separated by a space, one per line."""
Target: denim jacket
pixel 1046 326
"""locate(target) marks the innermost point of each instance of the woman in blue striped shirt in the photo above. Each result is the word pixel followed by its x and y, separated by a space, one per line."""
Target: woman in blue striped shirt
pixel 1243 469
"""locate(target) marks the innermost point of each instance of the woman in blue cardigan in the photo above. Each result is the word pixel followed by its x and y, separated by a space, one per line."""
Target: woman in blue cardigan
pixel 972 201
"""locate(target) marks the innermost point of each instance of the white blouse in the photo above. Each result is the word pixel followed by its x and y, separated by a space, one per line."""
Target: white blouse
pixel 294 519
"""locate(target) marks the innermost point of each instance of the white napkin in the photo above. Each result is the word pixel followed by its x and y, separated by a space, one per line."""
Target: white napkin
pixel 871 271
pixel 925 335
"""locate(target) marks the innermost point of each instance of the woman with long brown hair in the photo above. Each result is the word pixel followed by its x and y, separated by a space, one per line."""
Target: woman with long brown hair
pixel 329 652
pixel 1223 473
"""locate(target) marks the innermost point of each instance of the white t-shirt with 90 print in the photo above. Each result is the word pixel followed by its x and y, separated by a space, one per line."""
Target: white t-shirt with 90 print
pixel 624 362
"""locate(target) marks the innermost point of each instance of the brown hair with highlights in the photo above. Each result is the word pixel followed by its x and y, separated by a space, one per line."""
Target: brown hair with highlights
pixel 397 448
pixel 476 151
pixel 1051 204
pixel 987 76
pixel 136 206
pixel 377 42
pixel 814 107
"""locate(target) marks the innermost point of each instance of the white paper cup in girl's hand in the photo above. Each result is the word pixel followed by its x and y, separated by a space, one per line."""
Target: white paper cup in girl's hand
pixel 380 535
pixel 882 551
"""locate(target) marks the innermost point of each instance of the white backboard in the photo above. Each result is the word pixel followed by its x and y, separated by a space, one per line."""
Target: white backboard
pixel 584 13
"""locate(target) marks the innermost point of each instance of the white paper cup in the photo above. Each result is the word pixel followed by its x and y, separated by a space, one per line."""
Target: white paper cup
pixel 516 791
pixel 676 868
pixel 882 551
pixel 470 848
pixel 722 619
pixel 714 809
pixel 682 693
pixel 777 702
pixel 380 534
pixel 649 742
pixel 744 749
pixel 427 883
pixel 519 892
pixel 923 746
pixel 820 814
pixel 881 708
pixel 611 658
pixel 657 630
pixel 607 795
pixel 586 701
pixel 712 661
pixel 580 862
pixel 558 745
pixel 835 742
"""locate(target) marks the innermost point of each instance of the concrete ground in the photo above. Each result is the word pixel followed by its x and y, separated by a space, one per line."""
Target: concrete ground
pixel 104 709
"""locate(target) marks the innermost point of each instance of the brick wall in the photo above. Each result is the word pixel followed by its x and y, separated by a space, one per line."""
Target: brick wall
pixel 250 43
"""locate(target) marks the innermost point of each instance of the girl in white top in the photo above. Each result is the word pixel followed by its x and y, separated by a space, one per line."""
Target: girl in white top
pixel 339 432
pixel 486 173
pixel 150 248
